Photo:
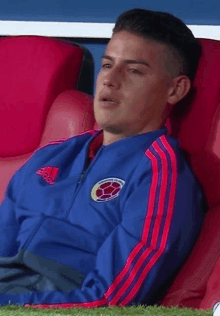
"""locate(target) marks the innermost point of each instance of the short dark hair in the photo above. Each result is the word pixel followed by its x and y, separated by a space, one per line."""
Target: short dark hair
pixel 166 29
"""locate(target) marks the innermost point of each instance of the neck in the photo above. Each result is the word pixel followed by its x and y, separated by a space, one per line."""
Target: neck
pixel 111 137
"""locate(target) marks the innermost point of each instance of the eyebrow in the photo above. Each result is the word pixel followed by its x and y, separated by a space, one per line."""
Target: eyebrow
pixel 128 61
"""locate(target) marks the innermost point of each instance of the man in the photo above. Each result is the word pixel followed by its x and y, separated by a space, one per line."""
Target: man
pixel 124 209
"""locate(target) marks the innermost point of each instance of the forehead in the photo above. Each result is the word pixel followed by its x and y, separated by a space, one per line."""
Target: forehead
pixel 125 45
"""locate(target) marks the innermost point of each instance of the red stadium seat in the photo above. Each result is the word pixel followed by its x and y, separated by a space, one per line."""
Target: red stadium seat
pixel 36 73
pixel 197 285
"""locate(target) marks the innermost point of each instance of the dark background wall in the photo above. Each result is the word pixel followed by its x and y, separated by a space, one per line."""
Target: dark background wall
pixel 191 11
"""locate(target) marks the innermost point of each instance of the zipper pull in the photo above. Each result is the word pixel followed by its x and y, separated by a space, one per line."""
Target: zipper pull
pixel 82 176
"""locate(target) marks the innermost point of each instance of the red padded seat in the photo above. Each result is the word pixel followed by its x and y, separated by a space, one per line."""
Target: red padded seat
pixel 198 130
pixel 34 71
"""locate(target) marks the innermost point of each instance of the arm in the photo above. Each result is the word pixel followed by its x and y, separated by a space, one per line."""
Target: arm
pixel 9 226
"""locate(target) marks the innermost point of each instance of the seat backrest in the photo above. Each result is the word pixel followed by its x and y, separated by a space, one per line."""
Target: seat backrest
pixel 35 71
pixel 198 130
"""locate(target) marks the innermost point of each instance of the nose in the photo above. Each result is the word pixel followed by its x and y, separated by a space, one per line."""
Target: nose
pixel 112 79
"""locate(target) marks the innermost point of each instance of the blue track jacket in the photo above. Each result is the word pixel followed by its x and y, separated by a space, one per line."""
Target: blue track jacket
pixel 111 233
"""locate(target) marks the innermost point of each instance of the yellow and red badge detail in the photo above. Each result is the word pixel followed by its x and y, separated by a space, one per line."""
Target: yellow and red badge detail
pixel 107 189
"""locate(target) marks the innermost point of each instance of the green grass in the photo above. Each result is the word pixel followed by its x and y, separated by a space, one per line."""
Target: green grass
pixel 106 311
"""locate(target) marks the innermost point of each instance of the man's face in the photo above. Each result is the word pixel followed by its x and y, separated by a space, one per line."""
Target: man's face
pixel 134 77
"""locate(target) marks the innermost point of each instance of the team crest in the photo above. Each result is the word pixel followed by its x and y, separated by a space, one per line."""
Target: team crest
pixel 107 189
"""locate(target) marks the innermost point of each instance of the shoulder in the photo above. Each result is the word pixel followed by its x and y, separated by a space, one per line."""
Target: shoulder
pixel 68 141
pixel 45 154
pixel 164 149
pixel 58 146
pixel 55 149
pixel 171 161
pixel 165 155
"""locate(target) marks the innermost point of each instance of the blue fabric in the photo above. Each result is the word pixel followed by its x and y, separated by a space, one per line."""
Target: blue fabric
pixel 117 250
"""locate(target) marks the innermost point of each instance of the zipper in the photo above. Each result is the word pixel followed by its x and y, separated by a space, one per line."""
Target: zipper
pixel 87 167
pixel 82 176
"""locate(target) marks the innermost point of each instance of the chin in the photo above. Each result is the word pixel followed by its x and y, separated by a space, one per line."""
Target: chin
pixel 113 129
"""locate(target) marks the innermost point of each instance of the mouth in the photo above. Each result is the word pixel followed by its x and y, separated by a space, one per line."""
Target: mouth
pixel 108 102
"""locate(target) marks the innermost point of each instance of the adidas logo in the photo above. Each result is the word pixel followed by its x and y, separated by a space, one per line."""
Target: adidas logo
pixel 48 174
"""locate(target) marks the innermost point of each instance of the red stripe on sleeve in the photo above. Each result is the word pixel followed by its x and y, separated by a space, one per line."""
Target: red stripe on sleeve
pixel 167 225
pixel 145 234
pixel 160 211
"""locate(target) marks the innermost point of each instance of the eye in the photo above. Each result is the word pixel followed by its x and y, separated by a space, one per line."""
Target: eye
pixel 135 71
pixel 105 66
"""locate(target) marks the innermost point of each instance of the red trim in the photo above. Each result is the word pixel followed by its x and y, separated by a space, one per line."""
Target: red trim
pixel 93 304
pixel 59 141
pixel 52 143
pixel 95 144
pixel 91 131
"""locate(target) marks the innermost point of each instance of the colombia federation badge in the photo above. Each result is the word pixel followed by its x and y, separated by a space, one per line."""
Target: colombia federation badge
pixel 107 189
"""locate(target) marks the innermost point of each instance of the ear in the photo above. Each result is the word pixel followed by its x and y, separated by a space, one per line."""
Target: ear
pixel 180 88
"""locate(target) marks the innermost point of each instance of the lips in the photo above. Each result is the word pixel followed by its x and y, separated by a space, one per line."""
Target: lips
pixel 108 99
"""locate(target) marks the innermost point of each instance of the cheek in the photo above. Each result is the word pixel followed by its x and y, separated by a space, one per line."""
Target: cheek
pixel 99 81
pixel 98 88
pixel 137 93
pixel 144 97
